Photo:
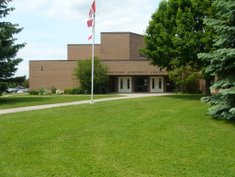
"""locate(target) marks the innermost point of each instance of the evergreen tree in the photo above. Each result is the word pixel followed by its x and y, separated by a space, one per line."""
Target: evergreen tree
pixel 8 48
pixel 176 34
pixel 222 61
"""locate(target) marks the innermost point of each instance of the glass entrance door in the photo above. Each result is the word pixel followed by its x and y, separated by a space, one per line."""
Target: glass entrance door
pixel 156 84
pixel 124 84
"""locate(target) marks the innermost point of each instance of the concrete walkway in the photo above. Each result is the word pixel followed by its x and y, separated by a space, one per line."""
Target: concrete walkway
pixel 47 106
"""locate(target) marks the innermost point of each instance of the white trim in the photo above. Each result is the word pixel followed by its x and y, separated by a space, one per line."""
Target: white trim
pixel 124 84
pixel 156 84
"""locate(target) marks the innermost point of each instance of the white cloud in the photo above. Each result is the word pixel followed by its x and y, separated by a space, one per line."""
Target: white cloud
pixel 43 51
pixel 115 15
pixel 39 52
pixel 66 10
pixel 51 24
pixel 32 6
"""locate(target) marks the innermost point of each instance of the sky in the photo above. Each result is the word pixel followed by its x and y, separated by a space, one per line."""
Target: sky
pixel 49 25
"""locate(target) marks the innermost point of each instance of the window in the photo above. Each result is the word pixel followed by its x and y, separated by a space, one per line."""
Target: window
pixel 160 83
pixel 153 83
pixel 121 83
pixel 128 83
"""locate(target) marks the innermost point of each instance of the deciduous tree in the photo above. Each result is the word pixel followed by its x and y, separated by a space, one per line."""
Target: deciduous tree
pixel 186 79
pixel 83 74
pixel 176 34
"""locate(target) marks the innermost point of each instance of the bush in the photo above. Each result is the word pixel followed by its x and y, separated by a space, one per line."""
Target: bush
pixel 33 92
pixel 185 79
pixel 67 91
pixel 53 90
pixel 74 91
pixel 44 91
pixel 3 87
pixel 59 92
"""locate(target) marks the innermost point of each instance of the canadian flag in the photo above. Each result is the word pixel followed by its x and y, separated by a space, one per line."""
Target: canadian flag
pixel 90 37
pixel 93 7
pixel 90 22
pixel 90 13
pixel 91 17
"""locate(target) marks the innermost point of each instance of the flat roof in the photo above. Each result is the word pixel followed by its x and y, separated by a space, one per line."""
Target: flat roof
pixel 122 33
pixel 131 33
pixel 82 44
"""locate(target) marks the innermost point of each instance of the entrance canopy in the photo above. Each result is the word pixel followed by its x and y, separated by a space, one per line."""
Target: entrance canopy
pixel 132 68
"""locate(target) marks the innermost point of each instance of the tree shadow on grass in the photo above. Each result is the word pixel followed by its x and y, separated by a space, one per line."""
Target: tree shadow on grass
pixel 197 97
pixel 231 121
pixel 19 100
pixel 188 97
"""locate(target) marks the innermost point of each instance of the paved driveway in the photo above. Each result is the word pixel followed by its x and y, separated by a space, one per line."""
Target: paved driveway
pixel 47 106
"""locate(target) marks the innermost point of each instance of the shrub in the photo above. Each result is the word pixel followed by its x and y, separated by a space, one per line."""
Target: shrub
pixel 67 91
pixel 3 87
pixel 33 92
pixel 59 92
pixel 185 79
pixel 44 91
pixel 80 90
pixel 74 91
pixel 53 90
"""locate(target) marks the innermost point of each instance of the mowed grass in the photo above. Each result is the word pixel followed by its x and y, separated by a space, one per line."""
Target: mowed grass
pixel 159 136
pixel 14 101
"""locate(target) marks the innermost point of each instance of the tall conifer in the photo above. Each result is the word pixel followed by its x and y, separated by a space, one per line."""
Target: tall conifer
pixel 222 61
pixel 8 48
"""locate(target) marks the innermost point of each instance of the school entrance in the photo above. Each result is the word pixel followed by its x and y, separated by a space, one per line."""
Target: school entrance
pixel 141 84
pixel 136 84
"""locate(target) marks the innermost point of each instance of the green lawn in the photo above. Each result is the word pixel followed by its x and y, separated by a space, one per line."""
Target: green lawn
pixel 19 100
pixel 160 136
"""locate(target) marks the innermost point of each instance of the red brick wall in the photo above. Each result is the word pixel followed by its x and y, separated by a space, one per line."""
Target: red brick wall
pixel 47 74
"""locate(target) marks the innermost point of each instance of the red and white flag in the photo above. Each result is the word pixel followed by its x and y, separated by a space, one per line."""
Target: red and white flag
pixel 91 17
pixel 90 22
pixel 93 7
pixel 90 37
pixel 90 13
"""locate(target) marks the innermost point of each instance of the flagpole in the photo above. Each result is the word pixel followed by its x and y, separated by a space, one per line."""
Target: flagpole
pixel 93 60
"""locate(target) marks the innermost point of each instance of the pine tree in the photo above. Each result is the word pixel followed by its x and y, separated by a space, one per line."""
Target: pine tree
pixel 8 48
pixel 222 61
